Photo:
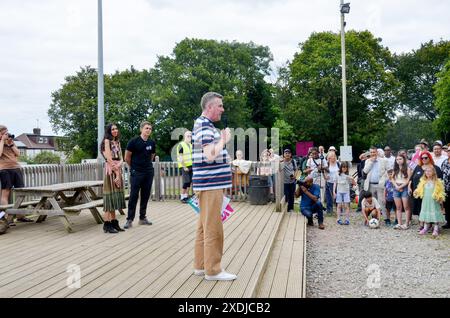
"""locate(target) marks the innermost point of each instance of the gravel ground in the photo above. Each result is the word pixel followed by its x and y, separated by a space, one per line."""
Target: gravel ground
pixel 355 261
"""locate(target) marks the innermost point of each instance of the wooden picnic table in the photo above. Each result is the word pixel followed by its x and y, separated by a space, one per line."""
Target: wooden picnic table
pixel 54 198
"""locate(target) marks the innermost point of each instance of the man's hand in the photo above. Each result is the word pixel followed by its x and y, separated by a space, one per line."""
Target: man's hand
pixel 303 188
pixel 225 135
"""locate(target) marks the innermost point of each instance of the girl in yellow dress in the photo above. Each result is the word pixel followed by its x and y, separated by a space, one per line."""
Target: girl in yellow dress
pixel 431 191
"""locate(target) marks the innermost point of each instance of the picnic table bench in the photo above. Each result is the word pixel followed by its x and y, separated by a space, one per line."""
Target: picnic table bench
pixel 22 205
pixel 54 199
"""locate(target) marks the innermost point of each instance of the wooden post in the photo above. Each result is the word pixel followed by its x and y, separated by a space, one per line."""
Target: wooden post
pixel 279 182
pixel 157 178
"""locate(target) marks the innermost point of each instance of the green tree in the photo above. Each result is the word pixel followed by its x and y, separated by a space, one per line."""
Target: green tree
pixel 236 70
pixel 407 131
pixel 287 135
pixel 25 158
pixel 442 91
pixel 417 71
pixel 76 155
pixel 310 90
pixel 73 110
pixel 47 157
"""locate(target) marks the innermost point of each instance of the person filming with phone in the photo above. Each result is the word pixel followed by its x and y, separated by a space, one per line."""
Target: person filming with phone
pixel 10 174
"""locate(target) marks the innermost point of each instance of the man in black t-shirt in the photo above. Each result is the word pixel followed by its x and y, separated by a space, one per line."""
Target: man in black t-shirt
pixel 139 155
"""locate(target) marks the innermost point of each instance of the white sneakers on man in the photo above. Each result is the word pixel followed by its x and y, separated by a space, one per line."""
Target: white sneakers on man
pixel 221 276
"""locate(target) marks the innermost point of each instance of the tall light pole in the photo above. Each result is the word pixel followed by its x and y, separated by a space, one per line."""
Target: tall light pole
pixel 345 9
pixel 100 98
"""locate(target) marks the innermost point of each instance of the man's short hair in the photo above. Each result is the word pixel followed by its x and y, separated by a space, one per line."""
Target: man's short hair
pixel 208 97
pixel 144 123
pixel 367 195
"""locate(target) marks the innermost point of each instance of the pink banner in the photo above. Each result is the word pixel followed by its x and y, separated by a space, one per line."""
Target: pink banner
pixel 302 148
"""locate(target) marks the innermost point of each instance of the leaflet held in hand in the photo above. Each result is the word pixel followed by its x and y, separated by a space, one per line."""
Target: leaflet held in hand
pixel 227 210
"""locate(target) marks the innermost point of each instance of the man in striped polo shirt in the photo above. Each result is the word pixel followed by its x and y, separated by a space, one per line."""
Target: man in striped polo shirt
pixel 211 175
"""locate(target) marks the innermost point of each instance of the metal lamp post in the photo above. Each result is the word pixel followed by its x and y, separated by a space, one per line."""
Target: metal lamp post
pixel 345 9
pixel 100 96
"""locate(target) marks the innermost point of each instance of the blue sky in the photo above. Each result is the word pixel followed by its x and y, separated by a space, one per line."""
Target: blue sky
pixel 44 41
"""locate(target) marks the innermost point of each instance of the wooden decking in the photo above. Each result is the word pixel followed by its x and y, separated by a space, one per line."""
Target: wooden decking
pixel 284 276
pixel 263 247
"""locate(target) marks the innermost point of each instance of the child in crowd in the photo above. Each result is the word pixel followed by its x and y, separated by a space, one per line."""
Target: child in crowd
pixel 341 193
pixel 389 196
pixel 431 191
pixel 370 208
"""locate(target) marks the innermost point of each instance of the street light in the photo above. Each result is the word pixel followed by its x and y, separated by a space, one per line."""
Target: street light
pixel 100 98
pixel 345 9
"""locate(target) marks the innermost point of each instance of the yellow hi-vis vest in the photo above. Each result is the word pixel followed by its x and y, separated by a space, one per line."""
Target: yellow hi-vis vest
pixel 187 154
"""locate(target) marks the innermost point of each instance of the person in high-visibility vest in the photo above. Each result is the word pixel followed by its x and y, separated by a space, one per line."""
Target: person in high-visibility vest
pixel 184 151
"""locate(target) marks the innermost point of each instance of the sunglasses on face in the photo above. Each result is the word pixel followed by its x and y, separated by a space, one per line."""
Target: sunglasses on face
pixel 425 158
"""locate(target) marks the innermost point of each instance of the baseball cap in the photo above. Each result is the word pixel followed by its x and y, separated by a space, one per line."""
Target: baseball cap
pixel 287 150
pixel 332 148
pixel 438 143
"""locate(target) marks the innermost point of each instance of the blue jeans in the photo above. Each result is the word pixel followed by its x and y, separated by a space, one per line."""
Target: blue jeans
pixel 329 196
pixel 310 210
pixel 289 192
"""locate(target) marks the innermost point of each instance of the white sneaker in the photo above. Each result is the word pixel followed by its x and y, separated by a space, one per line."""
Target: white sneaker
pixel 199 272
pixel 221 276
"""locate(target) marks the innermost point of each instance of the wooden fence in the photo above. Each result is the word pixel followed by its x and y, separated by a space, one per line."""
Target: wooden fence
pixel 167 183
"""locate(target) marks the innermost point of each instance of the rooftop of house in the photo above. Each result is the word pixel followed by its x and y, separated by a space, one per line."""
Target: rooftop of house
pixel 36 141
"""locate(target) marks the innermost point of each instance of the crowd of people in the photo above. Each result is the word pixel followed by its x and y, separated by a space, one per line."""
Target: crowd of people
pixel 388 184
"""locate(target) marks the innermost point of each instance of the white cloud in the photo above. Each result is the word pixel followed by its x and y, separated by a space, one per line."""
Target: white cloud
pixel 44 41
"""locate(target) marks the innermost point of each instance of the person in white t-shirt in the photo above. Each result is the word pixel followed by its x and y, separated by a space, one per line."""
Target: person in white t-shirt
pixel 370 208
pixel 438 156
pixel 389 157
pixel 316 167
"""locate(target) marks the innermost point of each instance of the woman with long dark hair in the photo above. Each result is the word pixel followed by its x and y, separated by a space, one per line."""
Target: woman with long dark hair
pixel 401 177
pixel 113 195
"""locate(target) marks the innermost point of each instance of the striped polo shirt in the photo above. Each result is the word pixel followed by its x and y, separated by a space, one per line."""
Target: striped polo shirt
pixel 208 175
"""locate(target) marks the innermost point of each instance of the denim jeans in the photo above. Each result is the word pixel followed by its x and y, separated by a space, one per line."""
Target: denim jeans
pixel 310 210
pixel 329 196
